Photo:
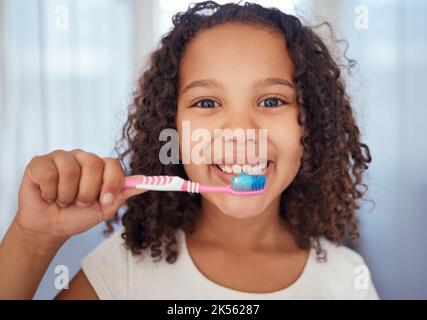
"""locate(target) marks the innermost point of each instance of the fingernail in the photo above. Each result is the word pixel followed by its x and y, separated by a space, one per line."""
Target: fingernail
pixel 107 199
pixel 81 204
pixel 62 205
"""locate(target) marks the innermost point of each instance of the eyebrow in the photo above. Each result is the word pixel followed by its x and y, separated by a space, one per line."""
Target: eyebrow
pixel 210 83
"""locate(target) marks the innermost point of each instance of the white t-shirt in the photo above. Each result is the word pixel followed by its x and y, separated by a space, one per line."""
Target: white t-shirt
pixel 115 273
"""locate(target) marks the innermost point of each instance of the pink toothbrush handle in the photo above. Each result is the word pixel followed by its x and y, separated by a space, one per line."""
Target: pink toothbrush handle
pixel 169 183
pixel 174 183
pixel 160 183
pixel 133 181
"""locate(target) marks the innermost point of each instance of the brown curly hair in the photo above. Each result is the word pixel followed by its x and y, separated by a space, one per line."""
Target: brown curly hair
pixel 323 198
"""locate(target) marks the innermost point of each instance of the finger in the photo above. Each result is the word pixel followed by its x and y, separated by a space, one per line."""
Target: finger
pixel 69 176
pixel 43 172
pixel 90 184
pixel 112 181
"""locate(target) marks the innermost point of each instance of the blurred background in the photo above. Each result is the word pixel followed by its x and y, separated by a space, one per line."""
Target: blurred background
pixel 67 69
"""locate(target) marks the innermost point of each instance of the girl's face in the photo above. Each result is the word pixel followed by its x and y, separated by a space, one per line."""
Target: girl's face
pixel 232 64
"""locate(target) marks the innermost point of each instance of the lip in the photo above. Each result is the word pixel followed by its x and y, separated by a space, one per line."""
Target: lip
pixel 226 177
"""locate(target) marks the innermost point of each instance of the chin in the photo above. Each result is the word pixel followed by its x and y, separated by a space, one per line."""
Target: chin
pixel 239 207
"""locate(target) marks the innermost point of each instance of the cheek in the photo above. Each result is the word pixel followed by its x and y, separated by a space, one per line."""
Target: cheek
pixel 292 148
pixel 195 172
pixel 286 137
pixel 286 133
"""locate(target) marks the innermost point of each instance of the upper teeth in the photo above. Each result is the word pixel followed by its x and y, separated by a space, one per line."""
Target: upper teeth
pixel 258 168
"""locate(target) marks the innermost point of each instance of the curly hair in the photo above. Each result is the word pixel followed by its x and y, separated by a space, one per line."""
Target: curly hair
pixel 322 199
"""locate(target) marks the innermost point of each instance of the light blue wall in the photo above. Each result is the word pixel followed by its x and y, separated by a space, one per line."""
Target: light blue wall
pixel 388 88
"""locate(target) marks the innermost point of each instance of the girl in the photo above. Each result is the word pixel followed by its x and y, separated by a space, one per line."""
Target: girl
pixel 221 66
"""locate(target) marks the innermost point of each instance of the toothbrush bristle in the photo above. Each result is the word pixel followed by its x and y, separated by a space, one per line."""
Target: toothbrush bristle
pixel 245 182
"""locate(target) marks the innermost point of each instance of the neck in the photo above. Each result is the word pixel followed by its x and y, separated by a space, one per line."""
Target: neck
pixel 265 230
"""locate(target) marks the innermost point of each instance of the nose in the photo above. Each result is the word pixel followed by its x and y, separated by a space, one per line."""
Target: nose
pixel 240 134
pixel 240 117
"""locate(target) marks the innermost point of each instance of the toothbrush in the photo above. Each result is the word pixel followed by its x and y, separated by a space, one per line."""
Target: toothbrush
pixel 243 184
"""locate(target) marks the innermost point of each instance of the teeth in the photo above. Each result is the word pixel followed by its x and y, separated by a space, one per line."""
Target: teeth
pixel 257 169
pixel 237 168
pixel 227 169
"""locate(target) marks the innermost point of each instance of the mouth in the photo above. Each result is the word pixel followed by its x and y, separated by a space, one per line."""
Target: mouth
pixel 226 171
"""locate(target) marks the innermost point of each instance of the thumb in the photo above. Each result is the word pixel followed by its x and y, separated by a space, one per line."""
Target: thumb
pixel 119 200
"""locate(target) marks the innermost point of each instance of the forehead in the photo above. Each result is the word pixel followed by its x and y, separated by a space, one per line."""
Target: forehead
pixel 238 50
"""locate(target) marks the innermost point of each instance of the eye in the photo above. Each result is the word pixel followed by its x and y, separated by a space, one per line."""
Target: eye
pixel 273 102
pixel 205 104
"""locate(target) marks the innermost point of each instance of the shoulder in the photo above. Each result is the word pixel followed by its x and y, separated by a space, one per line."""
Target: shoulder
pixel 345 272
pixel 340 256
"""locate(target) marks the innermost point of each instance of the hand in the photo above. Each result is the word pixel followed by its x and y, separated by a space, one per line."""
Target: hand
pixel 60 193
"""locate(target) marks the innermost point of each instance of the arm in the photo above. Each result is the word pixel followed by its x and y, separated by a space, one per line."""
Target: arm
pixel 79 289
pixel 23 262
pixel 61 195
